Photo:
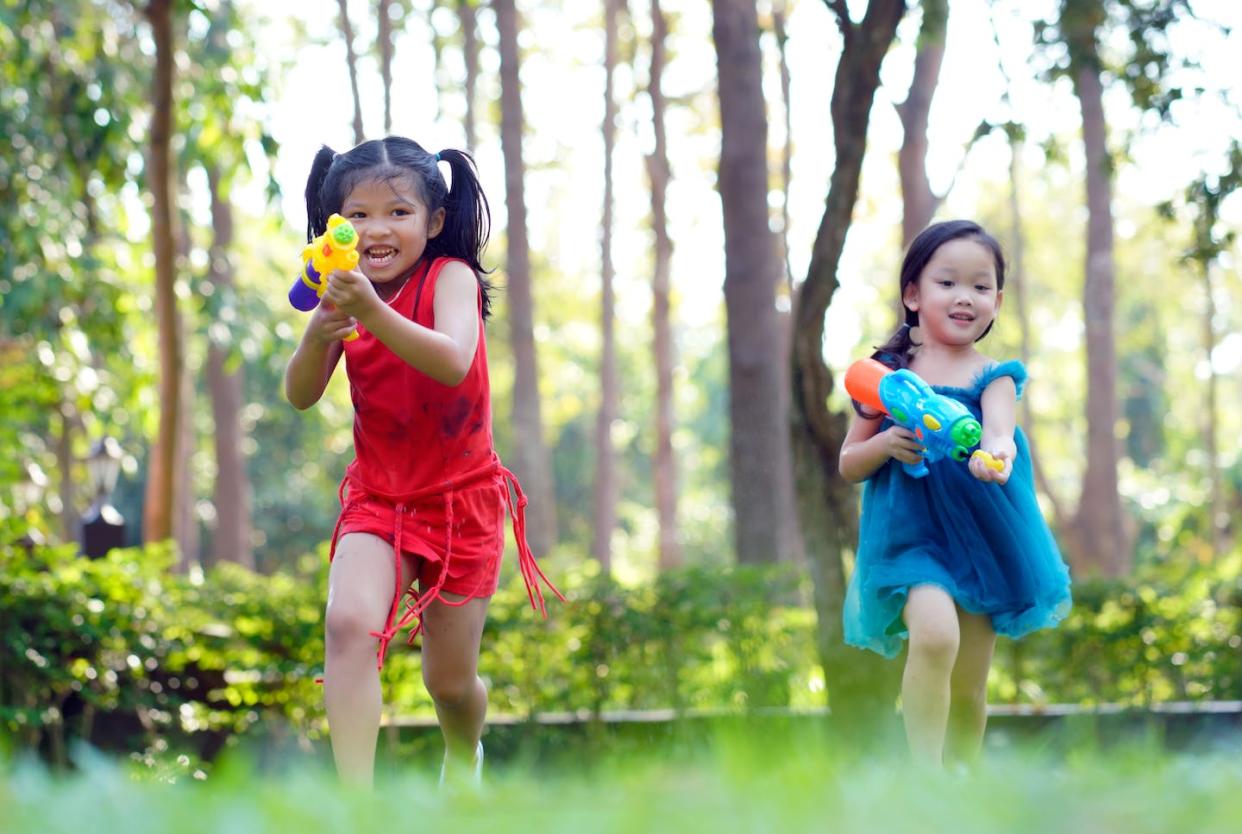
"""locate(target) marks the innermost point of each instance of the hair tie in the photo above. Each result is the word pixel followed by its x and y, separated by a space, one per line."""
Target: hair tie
pixel 437 156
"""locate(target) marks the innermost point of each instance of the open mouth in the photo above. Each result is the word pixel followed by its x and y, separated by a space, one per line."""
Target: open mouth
pixel 379 257
pixel 962 317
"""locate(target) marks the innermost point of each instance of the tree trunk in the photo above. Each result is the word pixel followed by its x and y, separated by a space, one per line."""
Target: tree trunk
pixel 1101 540
pixel 161 499
pixel 758 445
pixel 231 540
pixel 791 530
pixel 185 522
pixel 531 459
pixel 351 58
pixel 664 467
pixel 1218 519
pixel 1015 285
pixel 918 202
pixel 70 520
pixel 470 54
pixel 383 39
pixel 861 687
pixel 606 486
pixel 779 14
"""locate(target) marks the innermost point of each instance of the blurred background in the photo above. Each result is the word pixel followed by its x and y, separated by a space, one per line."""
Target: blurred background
pixel 699 211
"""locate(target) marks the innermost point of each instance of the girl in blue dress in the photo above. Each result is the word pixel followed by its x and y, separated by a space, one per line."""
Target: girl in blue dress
pixel 951 559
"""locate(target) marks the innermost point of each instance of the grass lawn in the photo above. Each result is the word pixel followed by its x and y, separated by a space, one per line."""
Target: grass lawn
pixel 732 784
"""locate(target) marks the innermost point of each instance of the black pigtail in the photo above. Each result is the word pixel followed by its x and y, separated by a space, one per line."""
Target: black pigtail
pixel 467 218
pixel 316 214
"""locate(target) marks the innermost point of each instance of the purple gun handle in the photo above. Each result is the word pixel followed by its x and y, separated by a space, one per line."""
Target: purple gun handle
pixel 301 296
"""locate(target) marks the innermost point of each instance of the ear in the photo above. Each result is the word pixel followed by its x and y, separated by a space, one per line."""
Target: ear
pixel 1000 296
pixel 910 297
pixel 436 224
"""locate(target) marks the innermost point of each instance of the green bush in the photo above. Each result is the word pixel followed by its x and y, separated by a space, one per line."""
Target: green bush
pixel 128 655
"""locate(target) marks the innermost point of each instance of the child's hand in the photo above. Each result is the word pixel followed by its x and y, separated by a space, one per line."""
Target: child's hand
pixel 328 324
pixel 994 464
pixel 902 445
pixel 350 292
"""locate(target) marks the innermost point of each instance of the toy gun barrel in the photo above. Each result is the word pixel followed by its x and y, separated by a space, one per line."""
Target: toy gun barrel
pixel 862 381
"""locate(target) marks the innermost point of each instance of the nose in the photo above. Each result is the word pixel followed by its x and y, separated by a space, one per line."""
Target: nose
pixel 371 229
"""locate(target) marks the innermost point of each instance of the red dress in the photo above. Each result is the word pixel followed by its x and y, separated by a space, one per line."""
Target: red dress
pixel 425 474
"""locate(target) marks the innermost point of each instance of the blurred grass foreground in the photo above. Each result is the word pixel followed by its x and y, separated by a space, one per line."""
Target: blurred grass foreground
pixel 739 784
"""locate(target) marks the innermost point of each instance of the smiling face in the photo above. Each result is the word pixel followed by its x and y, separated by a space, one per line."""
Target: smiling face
pixel 957 294
pixel 393 226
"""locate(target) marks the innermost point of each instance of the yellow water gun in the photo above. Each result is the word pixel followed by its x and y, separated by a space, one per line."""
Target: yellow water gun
pixel 336 248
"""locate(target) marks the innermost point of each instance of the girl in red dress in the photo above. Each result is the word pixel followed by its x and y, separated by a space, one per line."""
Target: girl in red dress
pixel 423 503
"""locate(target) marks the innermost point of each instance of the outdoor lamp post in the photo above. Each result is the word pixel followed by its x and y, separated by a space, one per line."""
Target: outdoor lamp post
pixel 103 528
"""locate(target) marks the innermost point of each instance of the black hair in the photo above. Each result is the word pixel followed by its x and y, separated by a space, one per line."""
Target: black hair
pixel 467 215
pixel 895 353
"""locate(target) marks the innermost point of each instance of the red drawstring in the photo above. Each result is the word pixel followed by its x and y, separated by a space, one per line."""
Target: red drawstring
pixel 529 567
pixel 526 560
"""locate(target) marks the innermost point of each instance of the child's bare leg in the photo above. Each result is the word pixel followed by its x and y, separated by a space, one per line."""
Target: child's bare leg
pixel 451 635
pixel 968 712
pixel 931 618
pixel 360 592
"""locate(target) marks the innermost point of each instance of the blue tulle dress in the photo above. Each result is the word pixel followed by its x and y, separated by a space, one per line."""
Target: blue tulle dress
pixel 985 544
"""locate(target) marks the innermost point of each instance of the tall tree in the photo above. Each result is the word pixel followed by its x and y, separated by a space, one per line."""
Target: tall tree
pixel 664 465
pixel 531 458
pixel 221 153
pixel 160 505
pixel 607 487
pixel 384 44
pixel 828 504
pixel 758 444
pixel 918 202
pixel 351 60
pixel 780 17
pixel 232 497
pixel 185 528
pixel 1100 539
pixel 1016 288
pixel 1210 239
pixel 1100 522
pixel 467 12
pixel 73 78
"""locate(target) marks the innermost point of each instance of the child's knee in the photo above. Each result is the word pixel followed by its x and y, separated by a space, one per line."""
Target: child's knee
pixel 349 622
pixel 935 642
pixel 449 688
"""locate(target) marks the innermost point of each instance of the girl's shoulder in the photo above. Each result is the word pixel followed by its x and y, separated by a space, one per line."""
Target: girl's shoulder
pixel 987 372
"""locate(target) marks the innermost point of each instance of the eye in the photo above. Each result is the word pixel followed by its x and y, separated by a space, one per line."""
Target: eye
pixel 400 212
pixel 944 282
pixel 357 213
pixel 982 287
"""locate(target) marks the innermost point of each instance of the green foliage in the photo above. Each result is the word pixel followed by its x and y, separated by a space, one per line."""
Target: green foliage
pixel 124 653
pixel 129 656
pixel 120 651
pixel 1173 634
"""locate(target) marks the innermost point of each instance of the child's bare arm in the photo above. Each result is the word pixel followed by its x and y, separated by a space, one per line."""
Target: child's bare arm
pixel 316 357
pixel 444 352
pixel 999 403
pixel 866 449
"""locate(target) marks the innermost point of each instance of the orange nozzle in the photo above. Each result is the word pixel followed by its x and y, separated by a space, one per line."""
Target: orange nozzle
pixel 862 382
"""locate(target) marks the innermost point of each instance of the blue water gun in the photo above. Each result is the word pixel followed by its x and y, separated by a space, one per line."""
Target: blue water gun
pixel 942 424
